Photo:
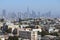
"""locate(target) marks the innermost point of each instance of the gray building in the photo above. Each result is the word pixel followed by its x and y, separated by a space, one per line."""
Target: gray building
pixel 28 35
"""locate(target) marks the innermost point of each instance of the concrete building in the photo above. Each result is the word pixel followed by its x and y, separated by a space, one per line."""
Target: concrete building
pixel 28 35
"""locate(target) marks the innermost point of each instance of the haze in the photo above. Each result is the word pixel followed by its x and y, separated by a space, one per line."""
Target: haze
pixel 37 5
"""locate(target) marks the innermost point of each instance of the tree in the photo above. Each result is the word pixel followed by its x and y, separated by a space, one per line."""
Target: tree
pixel 19 19
pixel 15 38
pixel 43 33
pixel 9 30
pixel 2 20
pixel 15 31
pixel 39 33
pixel 55 34
pixel 10 38
pixel 4 28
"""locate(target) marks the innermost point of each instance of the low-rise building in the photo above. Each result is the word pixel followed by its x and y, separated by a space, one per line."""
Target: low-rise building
pixel 31 35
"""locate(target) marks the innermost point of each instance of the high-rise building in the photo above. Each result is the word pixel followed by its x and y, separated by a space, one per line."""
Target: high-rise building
pixel 19 15
pixel 48 14
pixel 4 13
pixel 38 15
pixel 13 15
pixel 28 13
pixel 33 14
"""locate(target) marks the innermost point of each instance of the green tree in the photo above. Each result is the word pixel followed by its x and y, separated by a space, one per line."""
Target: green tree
pixel 43 33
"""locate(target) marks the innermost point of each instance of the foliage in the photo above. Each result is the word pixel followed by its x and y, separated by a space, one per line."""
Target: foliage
pixel 43 33
pixel 13 38
pixel 2 20
pixel 54 34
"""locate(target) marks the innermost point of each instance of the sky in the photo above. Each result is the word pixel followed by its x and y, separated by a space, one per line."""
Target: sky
pixel 37 5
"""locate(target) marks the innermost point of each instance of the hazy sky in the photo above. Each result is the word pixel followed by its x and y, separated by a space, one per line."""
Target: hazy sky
pixel 37 5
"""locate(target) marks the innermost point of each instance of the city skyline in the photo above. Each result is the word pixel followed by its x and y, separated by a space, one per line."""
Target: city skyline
pixel 42 6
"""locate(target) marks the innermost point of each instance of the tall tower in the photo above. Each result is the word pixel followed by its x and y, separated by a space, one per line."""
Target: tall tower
pixel 38 15
pixel 49 13
pixel 33 14
pixel 19 14
pixel 4 13
pixel 28 13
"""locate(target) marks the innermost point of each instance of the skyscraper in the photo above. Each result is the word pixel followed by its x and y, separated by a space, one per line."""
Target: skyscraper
pixel 38 15
pixel 48 14
pixel 28 12
pixel 33 14
pixel 4 13
pixel 13 15
pixel 19 15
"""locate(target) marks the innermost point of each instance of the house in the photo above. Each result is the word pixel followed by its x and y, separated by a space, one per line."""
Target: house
pixel 53 29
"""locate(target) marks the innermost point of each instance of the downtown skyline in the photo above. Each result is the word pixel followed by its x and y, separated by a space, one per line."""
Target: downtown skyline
pixel 42 6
